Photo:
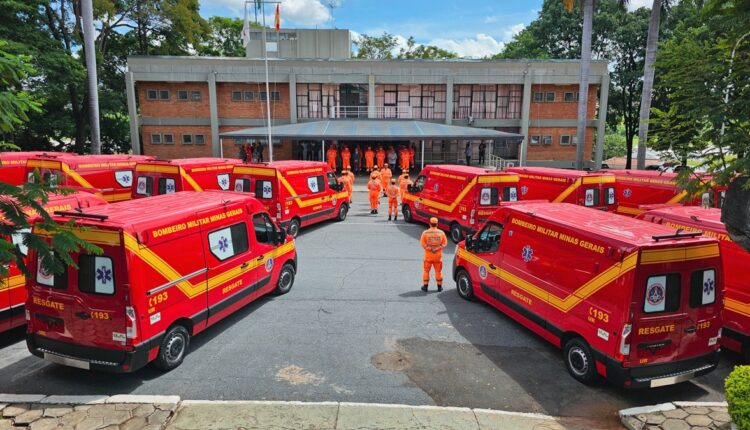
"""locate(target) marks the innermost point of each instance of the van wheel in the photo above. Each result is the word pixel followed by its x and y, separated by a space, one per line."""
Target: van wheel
pixel 173 348
pixel 407 213
pixel 456 234
pixel 579 360
pixel 293 227
pixel 463 285
pixel 286 280
pixel 343 210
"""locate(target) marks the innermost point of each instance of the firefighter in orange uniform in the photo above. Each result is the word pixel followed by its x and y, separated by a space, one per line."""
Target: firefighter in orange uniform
pixel 393 195
pixel 375 189
pixel 348 182
pixel 404 158
pixel 331 155
pixel 369 159
pixel 380 156
pixel 376 172
pixel 346 157
pixel 433 241
pixel 385 177
pixel 404 181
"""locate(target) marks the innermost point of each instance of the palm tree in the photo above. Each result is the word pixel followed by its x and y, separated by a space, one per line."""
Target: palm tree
pixel 649 69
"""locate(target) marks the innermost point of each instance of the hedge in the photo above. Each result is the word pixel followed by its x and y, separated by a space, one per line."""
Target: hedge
pixel 737 391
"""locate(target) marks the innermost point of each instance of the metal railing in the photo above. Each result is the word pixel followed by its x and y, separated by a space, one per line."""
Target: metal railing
pixel 498 163
pixel 379 112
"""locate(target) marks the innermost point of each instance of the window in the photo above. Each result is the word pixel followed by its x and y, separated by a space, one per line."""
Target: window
pixel 50 179
pixel 242 185
pixel 163 94
pixel 488 196
pixel 510 194
pixel 702 288
pixel 263 96
pixel 152 94
pixel 248 96
pixel 535 140
pixel 546 140
pixel 610 193
pixel 591 197
pixel 333 183
pixel 182 95
pixel 275 96
pixel 263 189
pixel 550 97
pixel 195 96
pixel 166 186
pixel 155 138
pixel 48 279
pixel 265 232
pixel 200 139
pixel 187 139
pixel 236 96
pixel 538 97
pixel 489 238
pixel 96 275
pixel 564 139
pixel 17 239
pixel 168 138
pixel 229 241
pixel 662 294
pixel 316 184
pixel 144 185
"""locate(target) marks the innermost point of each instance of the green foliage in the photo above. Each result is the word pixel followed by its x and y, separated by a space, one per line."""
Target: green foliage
pixel 224 38
pixel 615 145
pixel 737 391
pixel 15 102
pixel 384 48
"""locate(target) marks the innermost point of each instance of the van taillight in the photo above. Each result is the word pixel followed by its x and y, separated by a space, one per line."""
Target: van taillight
pixel 278 210
pixel 471 217
pixel 625 339
pixel 28 316
pixel 132 330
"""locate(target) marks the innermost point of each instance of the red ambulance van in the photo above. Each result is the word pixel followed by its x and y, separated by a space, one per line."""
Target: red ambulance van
pixel 635 302
pixel 296 193
pixel 12 291
pixel 111 176
pixel 13 165
pixel 590 189
pixel 736 333
pixel 636 188
pixel 461 197
pixel 158 177
pixel 172 266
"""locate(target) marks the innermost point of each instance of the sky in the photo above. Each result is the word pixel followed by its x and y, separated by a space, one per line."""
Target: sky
pixel 478 29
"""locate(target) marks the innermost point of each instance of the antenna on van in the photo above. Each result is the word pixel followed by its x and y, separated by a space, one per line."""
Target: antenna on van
pixel 81 215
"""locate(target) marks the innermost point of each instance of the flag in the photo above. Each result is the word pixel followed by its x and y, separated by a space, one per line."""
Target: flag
pixel 246 30
pixel 278 18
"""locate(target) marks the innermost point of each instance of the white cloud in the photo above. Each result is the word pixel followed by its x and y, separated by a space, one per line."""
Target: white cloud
pixel 511 31
pixel 296 12
pixel 479 46
pixel 491 20
pixel 635 4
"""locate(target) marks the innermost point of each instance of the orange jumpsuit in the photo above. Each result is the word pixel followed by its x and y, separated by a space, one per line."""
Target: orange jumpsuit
pixel 331 154
pixel 348 184
pixel 380 157
pixel 393 194
pixel 369 159
pixel 405 156
pixel 433 241
pixel 411 157
pixel 346 157
pixel 385 177
pixel 375 189
pixel 403 182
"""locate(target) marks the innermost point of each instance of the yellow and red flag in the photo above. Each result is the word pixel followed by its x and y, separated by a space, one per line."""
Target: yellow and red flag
pixel 278 18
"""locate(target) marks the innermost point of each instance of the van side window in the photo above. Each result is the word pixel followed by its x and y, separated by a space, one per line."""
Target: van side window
pixel 609 192
pixel 419 183
pixel 333 183
pixel 242 185
pixel 166 186
pixel 488 196
pixel 43 277
pixel 50 179
pixel 264 229
pixel 702 288
pixel 510 194
pixel 316 184
pixel 263 189
pixel 17 239
pixel 96 275
pixel 591 197
pixel 229 241
pixel 662 294
pixel 144 185
pixel 489 237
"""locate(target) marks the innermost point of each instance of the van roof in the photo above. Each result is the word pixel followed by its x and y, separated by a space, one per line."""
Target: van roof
pixel 285 165
pixel 22 155
pixel 137 216
pixel 467 170
pixel 617 229
pixel 641 173
pixel 708 217
pixel 551 171
pixel 193 162
pixel 81 162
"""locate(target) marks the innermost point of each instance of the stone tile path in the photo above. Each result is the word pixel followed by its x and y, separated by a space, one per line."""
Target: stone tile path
pixel 677 416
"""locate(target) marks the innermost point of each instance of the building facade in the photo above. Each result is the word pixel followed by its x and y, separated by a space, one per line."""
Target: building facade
pixel 178 106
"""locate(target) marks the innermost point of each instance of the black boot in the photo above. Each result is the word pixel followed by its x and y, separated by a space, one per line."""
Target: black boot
pixel 440 288
pixel 424 288
pixel 389 217
pixel 395 217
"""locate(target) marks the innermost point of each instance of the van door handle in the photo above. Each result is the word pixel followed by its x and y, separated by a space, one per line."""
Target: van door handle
pixel 492 266
pixel 244 265
pixel 261 258
pixel 83 315
pixel 691 329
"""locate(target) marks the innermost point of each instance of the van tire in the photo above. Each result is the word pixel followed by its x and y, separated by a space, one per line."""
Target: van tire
pixel 464 286
pixel 293 227
pixel 286 280
pixel 343 210
pixel 406 210
pixel 579 361
pixel 173 349
pixel 456 234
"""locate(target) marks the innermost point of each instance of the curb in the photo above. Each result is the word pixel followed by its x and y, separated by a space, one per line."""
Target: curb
pixel 87 400
pixel 661 407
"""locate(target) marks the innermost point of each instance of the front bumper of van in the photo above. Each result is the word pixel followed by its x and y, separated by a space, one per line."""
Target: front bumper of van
pixel 658 375
pixel 87 357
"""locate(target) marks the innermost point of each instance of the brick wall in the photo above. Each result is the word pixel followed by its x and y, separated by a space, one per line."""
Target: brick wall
pixel 560 109
pixel 176 149
pixel 255 108
pixel 231 149
pixel 555 151
pixel 173 108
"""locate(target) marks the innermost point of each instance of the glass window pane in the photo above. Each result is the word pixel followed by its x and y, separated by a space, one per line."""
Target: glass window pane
pixel 702 288
pixel 96 275
pixel 662 294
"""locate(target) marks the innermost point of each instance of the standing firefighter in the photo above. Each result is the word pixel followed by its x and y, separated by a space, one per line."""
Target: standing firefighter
pixel 393 194
pixel 404 181
pixel 331 154
pixel 385 177
pixel 348 182
pixel 369 159
pixel 433 241
pixel 375 189
pixel 346 157
pixel 380 156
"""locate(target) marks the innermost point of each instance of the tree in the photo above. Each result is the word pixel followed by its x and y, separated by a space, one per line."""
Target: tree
pixel 15 102
pixel 425 52
pixel 385 47
pixel 224 38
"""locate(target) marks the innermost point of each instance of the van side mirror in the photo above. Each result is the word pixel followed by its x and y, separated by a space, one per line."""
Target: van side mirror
pixel 470 242
pixel 412 189
pixel 280 236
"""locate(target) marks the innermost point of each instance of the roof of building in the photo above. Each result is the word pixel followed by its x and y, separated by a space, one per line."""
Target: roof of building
pixel 353 129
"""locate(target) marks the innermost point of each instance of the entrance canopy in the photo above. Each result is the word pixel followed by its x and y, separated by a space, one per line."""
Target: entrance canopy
pixel 370 129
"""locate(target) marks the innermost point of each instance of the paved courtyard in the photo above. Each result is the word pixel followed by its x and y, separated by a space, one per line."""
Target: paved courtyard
pixel 356 328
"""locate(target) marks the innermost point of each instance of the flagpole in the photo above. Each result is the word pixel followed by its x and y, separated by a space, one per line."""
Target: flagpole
pixel 268 89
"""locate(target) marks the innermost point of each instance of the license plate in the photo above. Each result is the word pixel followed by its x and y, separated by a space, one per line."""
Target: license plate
pixel 65 361
pixel 671 380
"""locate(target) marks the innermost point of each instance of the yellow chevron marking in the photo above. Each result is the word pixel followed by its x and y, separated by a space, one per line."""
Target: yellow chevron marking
pixel 190 180
pixel 679 254
pixel 574 186
pixel 254 171
pixel 629 211
pixel 737 307
pixel 494 179
pixel 12 282
pixel 156 168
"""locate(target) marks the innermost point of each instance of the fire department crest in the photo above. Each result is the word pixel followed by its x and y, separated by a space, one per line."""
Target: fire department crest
pixel 627 192
pixel 655 294
pixel 269 264
pixel 483 272
pixel 527 253
pixel 524 190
